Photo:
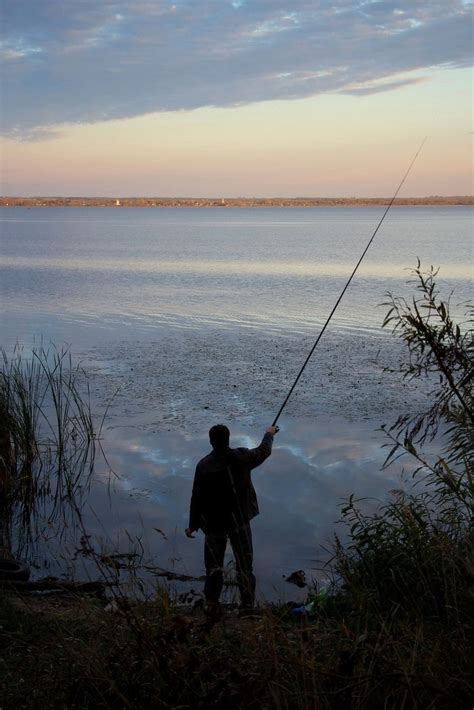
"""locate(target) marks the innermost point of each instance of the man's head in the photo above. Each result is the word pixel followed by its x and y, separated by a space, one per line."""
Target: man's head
pixel 219 436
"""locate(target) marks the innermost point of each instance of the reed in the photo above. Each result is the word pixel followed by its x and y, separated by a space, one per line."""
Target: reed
pixel 48 443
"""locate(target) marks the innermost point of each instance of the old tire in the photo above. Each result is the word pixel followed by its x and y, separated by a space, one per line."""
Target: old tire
pixel 13 571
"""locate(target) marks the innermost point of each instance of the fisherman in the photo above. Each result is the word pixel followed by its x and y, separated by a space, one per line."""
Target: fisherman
pixel 223 502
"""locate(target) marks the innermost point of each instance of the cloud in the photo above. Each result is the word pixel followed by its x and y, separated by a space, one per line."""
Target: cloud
pixel 73 62
pixel 376 86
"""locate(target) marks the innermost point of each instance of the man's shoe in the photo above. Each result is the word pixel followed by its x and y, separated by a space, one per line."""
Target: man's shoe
pixel 213 611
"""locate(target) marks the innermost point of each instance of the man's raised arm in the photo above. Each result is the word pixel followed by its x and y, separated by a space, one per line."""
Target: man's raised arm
pixel 254 457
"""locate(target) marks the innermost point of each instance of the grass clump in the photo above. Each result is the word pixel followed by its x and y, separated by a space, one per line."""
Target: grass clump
pixel 48 445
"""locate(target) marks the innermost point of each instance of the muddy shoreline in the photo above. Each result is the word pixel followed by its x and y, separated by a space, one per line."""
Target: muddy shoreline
pixel 184 380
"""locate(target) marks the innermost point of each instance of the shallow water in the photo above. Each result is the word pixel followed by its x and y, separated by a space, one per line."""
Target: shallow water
pixel 182 318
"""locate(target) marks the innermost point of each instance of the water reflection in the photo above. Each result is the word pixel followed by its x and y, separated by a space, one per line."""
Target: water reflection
pixel 220 267
pixel 314 466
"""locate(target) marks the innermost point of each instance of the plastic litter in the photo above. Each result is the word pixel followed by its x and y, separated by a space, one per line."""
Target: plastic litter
pixel 313 605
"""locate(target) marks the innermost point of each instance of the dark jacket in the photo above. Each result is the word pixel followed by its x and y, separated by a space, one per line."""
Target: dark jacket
pixel 223 495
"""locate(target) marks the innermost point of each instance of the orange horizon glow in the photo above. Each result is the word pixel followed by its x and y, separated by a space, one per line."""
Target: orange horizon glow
pixel 331 145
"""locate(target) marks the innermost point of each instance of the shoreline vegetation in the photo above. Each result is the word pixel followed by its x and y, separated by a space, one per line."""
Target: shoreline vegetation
pixel 233 202
pixel 393 627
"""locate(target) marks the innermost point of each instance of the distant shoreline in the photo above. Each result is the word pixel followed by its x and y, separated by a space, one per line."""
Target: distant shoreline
pixel 233 202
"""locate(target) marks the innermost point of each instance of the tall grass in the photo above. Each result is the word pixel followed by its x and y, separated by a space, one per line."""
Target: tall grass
pixel 48 443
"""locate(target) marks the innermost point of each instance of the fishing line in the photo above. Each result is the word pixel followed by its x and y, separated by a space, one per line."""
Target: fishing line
pixel 347 285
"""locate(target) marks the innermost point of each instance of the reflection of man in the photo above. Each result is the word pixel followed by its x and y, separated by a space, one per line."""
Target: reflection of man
pixel 223 502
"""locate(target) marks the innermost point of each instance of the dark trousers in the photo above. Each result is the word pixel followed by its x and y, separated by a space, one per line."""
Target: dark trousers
pixel 214 550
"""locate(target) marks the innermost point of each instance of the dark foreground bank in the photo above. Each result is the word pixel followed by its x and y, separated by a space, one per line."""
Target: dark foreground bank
pixel 71 652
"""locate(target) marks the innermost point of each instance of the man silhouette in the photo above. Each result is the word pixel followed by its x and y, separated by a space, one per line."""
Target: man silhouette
pixel 223 502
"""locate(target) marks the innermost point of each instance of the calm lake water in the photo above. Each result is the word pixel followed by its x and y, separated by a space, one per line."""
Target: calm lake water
pixel 200 316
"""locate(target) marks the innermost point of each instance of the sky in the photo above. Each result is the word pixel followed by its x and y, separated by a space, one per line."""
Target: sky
pixel 235 97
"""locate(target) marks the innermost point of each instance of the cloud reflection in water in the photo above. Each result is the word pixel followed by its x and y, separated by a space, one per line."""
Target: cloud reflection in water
pixel 314 466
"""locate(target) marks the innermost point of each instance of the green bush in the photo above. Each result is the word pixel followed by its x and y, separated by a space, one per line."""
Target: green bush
pixel 414 556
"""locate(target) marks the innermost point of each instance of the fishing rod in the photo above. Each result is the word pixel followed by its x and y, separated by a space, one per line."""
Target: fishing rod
pixel 347 284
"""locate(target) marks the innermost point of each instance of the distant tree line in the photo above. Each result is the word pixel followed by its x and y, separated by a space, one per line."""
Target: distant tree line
pixel 119 202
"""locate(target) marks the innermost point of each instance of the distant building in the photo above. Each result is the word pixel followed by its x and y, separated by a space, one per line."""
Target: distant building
pixel 117 203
